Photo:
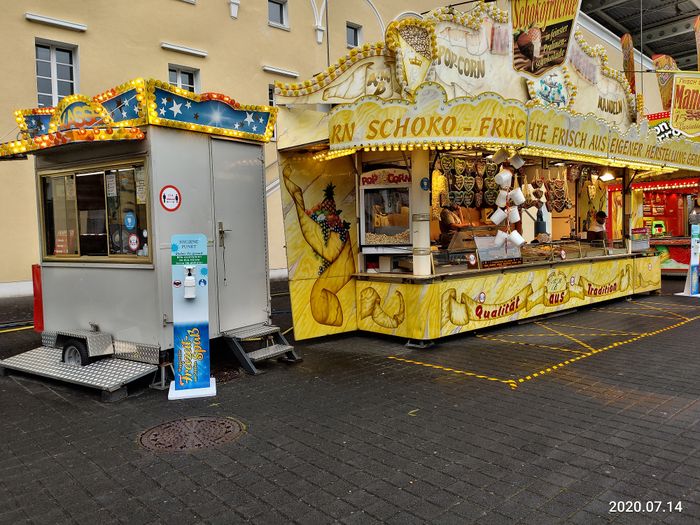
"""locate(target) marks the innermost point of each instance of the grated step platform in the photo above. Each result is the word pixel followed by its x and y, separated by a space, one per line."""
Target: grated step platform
pixel 109 374
pixel 259 330
pixel 269 352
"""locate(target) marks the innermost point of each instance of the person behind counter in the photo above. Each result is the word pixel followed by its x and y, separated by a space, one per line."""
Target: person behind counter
pixel 596 231
pixel 450 222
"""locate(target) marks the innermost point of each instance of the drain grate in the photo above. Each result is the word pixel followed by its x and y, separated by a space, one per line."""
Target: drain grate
pixel 192 433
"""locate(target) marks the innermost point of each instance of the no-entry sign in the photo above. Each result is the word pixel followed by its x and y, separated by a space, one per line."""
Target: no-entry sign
pixel 170 198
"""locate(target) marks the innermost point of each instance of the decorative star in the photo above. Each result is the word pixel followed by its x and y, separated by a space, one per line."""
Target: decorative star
pixel 176 109
pixel 123 113
pixel 126 102
pixel 41 126
pixel 248 118
pixel 261 120
pixel 164 101
pixel 188 104
pixel 196 116
pixel 162 111
pixel 254 127
pixel 237 125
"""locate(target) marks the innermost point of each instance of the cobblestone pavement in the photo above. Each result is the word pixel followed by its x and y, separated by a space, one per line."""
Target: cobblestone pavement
pixel 545 422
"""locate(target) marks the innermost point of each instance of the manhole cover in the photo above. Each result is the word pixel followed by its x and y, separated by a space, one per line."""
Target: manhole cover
pixel 192 433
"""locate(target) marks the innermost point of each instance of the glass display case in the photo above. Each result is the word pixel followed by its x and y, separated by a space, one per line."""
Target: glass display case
pixel 385 220
pixel 552 251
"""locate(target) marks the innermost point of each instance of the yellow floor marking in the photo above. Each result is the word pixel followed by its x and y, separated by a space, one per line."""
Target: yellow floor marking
pixel 569 337
pixel 662 310
pixel 613 345
pixel 681 306
pixel 491 338
pixel 629 311
pixel 508 382
pixel 16 329
pixel 617 332
pixel 577 335
pixel 513 383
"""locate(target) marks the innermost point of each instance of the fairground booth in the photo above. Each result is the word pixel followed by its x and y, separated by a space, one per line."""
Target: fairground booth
pixel 506 124
pixel 151 207
pixel 666 205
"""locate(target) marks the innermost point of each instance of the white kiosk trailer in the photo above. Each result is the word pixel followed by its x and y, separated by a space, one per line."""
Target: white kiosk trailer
pixel 117 175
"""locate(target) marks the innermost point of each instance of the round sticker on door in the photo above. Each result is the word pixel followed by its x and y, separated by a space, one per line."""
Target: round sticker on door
pixel 129 220
pixel 134 243
pixel 170 198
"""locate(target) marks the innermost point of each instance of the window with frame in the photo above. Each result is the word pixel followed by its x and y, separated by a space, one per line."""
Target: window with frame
pixel 184 78
pixel 55 73
pixel 277 12
pixel 100 214
pixel 353 34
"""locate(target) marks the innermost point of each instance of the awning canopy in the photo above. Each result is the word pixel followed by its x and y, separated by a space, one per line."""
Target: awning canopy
pixel 119 113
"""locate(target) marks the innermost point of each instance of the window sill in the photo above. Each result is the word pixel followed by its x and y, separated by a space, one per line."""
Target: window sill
pixel 278 26
pixel 140 265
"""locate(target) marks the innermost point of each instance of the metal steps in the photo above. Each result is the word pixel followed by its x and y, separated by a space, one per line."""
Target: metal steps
pixel 258 330
pixel 273 344
pixel 269 352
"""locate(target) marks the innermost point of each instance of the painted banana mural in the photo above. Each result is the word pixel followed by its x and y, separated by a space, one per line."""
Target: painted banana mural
pixel 371 306
pixel 327 234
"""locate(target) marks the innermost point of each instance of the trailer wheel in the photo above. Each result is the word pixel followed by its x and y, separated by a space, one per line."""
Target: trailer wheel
pixel 75 353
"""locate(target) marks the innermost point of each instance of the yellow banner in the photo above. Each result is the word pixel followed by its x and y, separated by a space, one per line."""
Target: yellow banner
pixel 674 152
pixel 613 287
pixel 557 129
pixel 685 105
pixel 487 118
pixel 493 121
pixel 555 290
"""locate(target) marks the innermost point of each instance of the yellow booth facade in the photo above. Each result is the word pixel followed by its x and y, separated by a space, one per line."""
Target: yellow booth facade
pixel 480 115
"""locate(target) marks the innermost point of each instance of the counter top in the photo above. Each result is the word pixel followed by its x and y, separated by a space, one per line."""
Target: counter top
pixel 459 274
pixel 669 241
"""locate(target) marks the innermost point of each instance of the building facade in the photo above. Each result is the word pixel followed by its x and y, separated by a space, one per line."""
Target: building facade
pixel 236 47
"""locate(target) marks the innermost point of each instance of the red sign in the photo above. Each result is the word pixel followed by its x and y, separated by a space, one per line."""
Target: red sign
pixel 134 243
pixel 170 198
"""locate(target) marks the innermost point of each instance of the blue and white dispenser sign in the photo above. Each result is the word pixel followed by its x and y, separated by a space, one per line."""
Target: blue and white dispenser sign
pixel 190 288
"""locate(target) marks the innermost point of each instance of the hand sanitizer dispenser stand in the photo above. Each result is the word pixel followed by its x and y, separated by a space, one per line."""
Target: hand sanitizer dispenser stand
pixel 190 273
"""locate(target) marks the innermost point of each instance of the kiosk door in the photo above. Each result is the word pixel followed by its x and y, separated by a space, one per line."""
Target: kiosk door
pixel 240 240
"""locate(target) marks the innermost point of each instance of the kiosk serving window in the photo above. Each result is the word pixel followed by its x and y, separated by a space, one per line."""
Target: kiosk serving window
pixel 96 215
pixel 385 200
